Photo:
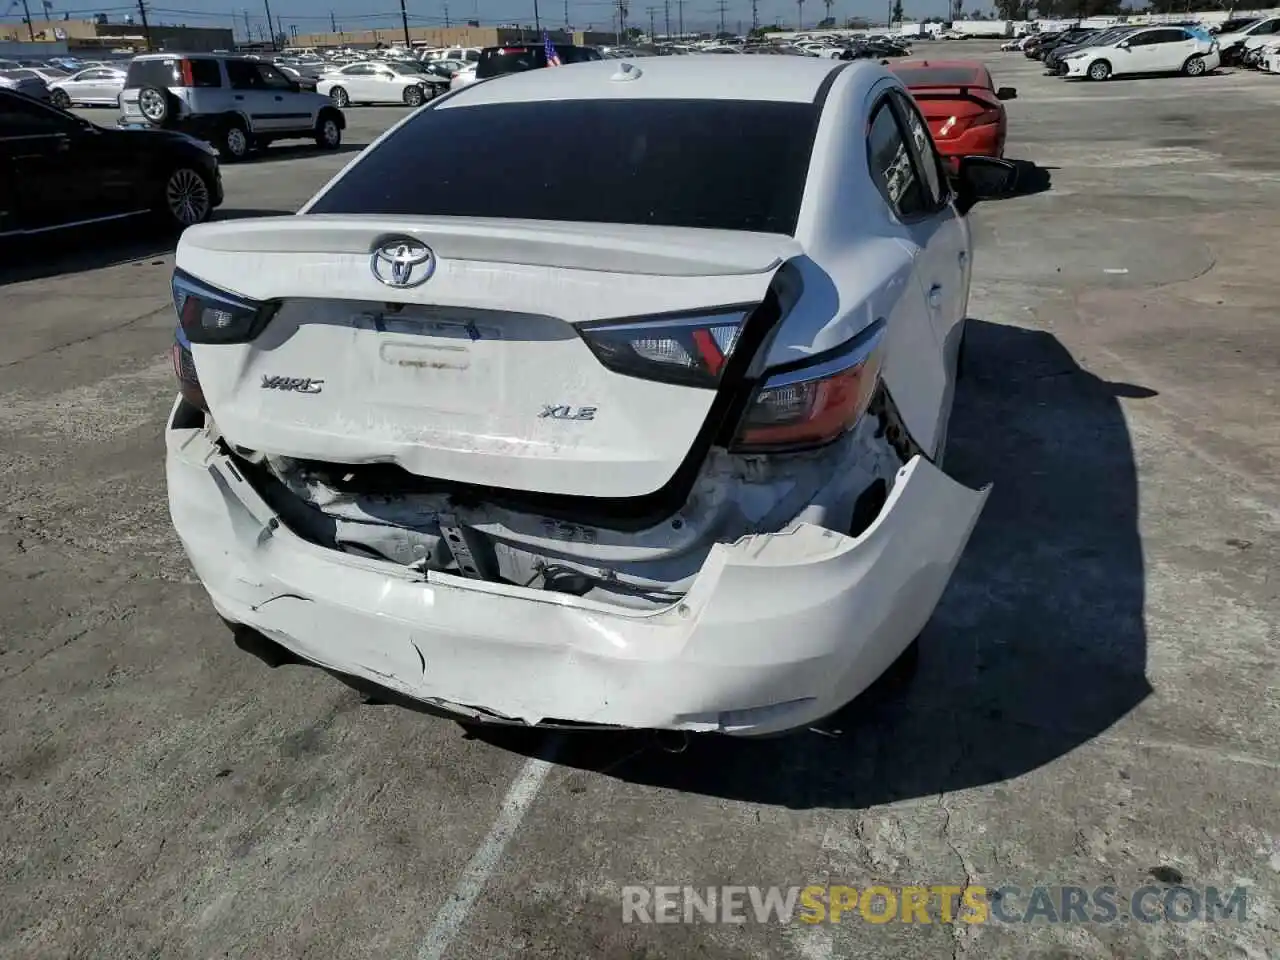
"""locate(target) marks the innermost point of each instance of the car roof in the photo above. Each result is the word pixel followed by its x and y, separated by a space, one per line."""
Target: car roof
pixel 781 79
pixel 184 54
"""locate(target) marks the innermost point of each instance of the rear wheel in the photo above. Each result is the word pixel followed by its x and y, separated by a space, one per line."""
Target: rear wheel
pixel 1195 67
pixel 59 98
pixel 339 97
pixel 187 198
pixel 1099 70
pixel 234 142
pixel 413 96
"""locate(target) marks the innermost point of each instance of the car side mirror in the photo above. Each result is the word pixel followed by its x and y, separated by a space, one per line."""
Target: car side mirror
pixel 983 178
pixel 1007 93
pixel 1122 45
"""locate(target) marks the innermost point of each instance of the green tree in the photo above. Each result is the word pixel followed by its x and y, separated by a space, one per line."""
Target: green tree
pixel 897 11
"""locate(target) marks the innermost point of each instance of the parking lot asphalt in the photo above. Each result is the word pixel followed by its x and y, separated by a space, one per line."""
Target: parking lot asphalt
pixel 1097 700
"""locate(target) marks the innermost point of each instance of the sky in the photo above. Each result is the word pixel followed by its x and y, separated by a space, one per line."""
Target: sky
pixel 583 14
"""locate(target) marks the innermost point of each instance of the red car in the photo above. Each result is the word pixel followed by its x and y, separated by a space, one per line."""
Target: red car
pixel 961 104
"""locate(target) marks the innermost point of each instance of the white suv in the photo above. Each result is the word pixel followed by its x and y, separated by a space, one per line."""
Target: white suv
pixel 233 102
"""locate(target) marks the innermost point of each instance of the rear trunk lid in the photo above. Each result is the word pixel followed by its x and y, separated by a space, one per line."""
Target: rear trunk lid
pixel 478 375
pixel 949 111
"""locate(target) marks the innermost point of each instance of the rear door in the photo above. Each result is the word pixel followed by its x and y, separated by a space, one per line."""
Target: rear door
pixel 1170 49
pixel 358 80
pixel 249 95
pixel 286 110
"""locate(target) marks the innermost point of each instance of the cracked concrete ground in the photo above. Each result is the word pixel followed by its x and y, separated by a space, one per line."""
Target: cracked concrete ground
pixel 1097 701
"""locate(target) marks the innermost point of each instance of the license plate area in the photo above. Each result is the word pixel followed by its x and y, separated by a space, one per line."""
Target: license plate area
pixel 446 362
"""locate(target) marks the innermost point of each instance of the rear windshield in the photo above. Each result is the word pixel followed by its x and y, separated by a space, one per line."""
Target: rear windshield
pixel 720 164
pixel 152 73
pixel 943 77
pixel 499 60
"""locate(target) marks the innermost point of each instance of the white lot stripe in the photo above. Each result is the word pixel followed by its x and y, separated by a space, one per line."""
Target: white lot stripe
pixel 523 791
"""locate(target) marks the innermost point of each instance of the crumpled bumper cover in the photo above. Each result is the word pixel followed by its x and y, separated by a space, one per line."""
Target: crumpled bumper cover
pixel 778 630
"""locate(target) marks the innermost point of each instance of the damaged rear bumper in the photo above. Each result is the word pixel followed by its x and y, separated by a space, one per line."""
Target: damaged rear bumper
pixel 777 631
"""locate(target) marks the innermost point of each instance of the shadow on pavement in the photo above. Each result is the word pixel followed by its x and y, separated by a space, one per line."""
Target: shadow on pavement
pixel 1032 178
pixel 92 248
pixel 1037 646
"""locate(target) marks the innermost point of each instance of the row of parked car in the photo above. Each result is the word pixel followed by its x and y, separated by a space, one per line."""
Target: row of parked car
pixel 1189 48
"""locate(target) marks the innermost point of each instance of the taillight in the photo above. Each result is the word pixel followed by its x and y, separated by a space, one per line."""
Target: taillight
pixel 688 350
pixel 986 117
pixel 207 315
pixel 184 368
pixel 814 404
pixel 188 74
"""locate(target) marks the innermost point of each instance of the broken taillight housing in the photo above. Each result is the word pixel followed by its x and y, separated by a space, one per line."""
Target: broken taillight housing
pixel 688 350
pixel 813 404
pixel 184 368
pixel 209 315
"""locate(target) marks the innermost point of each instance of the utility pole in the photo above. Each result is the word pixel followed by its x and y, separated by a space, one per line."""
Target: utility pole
pixel 446 14
pixel 666 9
pixel 680 8
pixel 652 29
pixel 270 22
pixel 566 17
pixel 622 20
pixel 755 15
pixel 828 4
pixel 279 26
pixel 800 14
pixel 404 21
pixel 248 30
pixel 31 28
pixel 142 12
pixel 537 20
pixel 722 6
pixel 333 22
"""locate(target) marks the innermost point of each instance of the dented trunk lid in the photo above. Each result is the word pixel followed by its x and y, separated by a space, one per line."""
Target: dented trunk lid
pixel 478 375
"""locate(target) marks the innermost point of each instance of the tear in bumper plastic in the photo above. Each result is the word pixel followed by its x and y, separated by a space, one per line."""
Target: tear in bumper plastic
pixel 778 630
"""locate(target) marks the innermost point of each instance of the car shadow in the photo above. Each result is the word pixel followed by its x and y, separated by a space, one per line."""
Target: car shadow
pixel 278 152
pixel 1031 178
pixel 92 248
pixel 1037 646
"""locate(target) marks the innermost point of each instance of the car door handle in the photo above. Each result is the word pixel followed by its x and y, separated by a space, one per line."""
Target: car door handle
pixel 935 295
pixel 964 258
pixel 239 96
pixel 279 97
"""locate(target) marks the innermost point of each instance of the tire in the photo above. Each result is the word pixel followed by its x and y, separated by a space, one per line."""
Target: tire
pixel 233 142
pixel 1099 70
pixel 328 132
pixel 186 198
pixel 1195 67
pixel 339 97
pixel 156 106
pixel 60 99
pixel 414 97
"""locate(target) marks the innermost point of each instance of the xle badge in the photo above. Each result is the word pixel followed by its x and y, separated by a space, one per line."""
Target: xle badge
pixel 567 413
pixel 295 384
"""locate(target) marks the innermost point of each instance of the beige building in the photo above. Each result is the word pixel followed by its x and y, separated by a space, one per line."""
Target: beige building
pixel 89 35
pixel 446 37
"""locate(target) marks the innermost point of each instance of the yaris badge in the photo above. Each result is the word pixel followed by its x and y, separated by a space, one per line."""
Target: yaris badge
pixel 403 262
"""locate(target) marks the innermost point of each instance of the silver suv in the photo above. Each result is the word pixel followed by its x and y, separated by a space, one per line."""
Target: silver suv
pixel 233 102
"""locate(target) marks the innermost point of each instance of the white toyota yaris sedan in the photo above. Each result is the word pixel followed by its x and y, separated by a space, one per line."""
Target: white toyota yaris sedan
pixel 630 412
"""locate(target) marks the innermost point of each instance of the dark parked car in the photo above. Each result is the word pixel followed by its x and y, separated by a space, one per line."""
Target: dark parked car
pixel 1067 38
pixel 58 171
pixel 518 57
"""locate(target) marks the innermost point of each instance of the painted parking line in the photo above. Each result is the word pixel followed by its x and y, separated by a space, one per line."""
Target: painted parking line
pixel 515 805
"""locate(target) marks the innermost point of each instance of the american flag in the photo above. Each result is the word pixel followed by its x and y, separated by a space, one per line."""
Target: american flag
pixel 553 58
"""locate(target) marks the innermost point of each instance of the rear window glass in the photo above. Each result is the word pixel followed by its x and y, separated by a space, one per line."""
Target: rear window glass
pixel 942 77
pixel 205 73
pixel 152 73
pixel 720 164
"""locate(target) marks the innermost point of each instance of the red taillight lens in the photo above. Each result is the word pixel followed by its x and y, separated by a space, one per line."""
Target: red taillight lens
pixel 184 368
pixel 985 118
pixel 689 350
pixel 188 75
pixel 813 405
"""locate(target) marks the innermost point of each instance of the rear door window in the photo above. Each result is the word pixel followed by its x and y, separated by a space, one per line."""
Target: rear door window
pixel 243 75
pixel 892 168
pixel 205 73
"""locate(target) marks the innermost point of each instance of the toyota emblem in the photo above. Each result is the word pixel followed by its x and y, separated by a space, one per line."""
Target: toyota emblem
pixel 403 262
